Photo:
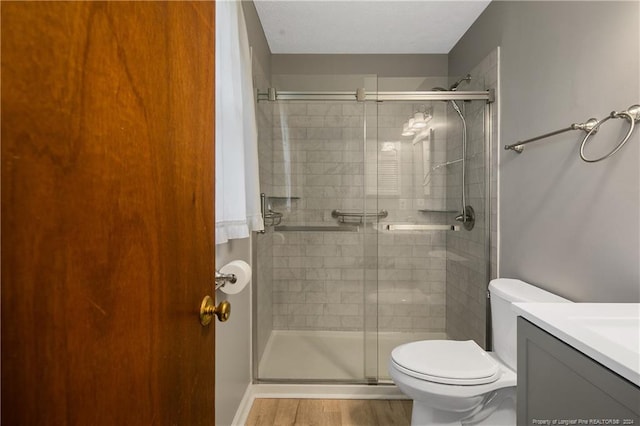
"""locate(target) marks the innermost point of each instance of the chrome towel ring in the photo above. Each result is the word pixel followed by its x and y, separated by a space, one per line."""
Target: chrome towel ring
pixel 590 127
pixel 632 115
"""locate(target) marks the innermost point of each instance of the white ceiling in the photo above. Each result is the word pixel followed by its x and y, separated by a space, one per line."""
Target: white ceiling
pixel 358 27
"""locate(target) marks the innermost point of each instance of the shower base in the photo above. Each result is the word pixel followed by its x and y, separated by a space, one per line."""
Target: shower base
pixel 330 355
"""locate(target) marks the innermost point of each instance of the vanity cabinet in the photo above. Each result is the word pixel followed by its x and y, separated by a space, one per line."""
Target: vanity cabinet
pixel 559 385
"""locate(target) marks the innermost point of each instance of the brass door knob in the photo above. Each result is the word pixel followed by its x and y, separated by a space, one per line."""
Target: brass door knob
pixel 208 309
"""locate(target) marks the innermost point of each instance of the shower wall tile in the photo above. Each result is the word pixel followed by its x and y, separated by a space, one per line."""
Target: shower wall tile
pixel 408 261
pixel 286 109
pixel 322 274
pixel 303 121
pixel 323 109
pixel 320 278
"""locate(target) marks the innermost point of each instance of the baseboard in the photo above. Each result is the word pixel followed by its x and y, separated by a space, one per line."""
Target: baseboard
pixel 327 391
pixel 311 392
pixel 240 419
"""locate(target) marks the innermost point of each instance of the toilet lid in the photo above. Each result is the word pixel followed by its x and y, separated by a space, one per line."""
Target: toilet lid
pixel 446 361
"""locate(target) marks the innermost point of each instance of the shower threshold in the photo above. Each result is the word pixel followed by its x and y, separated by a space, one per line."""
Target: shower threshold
pixel 330 356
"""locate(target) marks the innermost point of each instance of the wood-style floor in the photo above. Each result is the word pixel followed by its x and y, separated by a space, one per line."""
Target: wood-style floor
pixel 329 412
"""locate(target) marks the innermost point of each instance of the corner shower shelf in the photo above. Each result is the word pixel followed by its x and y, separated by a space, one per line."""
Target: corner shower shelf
pixel 272 218
pixel 359 217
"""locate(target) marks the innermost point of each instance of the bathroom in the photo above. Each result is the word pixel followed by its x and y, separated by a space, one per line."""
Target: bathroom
pixel 557 222
pixel 108 253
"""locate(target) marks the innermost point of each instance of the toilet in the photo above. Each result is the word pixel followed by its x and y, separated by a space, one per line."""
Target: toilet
pixel 457 382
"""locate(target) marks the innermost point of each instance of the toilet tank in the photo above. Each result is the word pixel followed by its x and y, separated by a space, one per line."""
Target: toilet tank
pixel 504 292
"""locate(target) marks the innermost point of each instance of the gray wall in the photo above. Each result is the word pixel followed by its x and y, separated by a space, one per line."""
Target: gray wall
pixel 382 65
pixel 348 72
pixel 233 338
pixel 260 48
pixel 565 225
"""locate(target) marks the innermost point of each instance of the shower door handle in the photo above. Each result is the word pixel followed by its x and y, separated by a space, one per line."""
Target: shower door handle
pixel 208 309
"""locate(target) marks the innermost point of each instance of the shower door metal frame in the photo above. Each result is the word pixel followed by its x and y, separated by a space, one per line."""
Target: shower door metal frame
pixel 488 162
pixel 361 96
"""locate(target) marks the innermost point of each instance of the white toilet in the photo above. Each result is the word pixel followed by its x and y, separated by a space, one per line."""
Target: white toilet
pixel 457 382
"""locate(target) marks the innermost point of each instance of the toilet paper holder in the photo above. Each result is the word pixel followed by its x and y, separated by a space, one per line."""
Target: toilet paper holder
pixel 222 279
pixel 233 277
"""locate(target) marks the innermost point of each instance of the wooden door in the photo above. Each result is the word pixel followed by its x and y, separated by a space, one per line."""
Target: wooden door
pixel 107 212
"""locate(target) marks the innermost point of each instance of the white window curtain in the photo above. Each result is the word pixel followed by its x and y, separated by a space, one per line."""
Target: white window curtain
pixel 237 177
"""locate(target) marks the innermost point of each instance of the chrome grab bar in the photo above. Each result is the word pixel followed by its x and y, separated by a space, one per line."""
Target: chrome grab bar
pixel 360 216
pixel 311 228
pixel 422 227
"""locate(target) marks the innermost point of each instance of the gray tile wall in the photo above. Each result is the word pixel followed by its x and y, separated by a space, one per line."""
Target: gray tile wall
pixel 320 164
pixel 411 264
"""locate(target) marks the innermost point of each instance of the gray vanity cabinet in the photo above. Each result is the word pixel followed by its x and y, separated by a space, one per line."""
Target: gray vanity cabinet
pixel 559 385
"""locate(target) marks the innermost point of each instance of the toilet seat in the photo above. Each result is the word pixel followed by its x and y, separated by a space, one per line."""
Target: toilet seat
pixel 447 362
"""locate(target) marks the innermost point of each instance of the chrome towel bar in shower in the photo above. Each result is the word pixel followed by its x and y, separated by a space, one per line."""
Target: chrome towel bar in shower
pixel 591 126
pixel 312 228
pixel 404 227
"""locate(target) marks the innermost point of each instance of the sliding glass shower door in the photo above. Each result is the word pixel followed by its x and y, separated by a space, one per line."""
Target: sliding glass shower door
pixel 432 268
pixel 366 246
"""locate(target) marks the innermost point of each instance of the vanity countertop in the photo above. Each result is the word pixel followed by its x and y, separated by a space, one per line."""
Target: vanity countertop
pixel 607 332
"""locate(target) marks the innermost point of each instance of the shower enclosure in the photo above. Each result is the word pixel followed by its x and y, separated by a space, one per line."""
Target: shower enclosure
pixel 366 245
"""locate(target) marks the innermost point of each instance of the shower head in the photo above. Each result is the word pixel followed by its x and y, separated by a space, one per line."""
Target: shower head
pixel 455 85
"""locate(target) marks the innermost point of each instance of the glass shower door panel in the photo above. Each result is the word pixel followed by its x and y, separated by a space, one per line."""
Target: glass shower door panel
pixel 317 250
pixel 411 267
pixel 370 242
pixel 419 184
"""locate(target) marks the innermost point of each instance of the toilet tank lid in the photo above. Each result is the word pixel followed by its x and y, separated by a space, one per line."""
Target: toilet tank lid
pixel 518 291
